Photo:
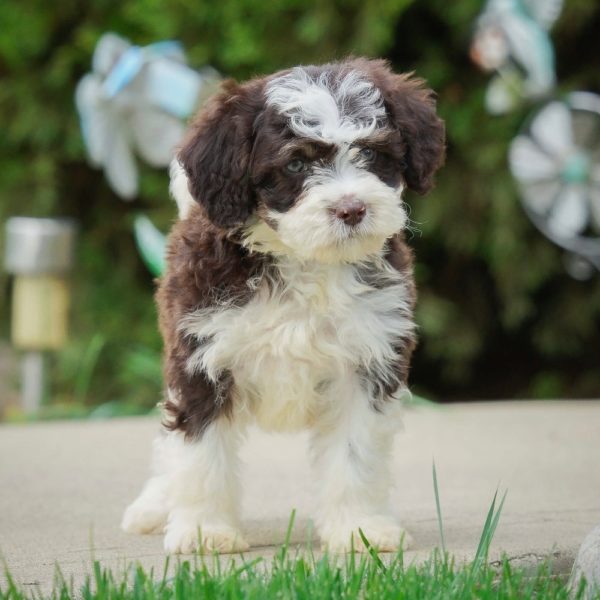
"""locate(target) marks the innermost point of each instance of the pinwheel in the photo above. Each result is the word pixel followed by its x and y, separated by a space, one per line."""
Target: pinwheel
pixel 135 102
pixel 556 160
pixel 511 38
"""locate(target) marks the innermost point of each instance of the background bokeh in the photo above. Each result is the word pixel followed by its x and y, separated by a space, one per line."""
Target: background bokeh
pixel 499 317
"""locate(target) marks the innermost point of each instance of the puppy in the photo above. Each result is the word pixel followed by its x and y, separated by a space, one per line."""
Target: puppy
pixel 288 296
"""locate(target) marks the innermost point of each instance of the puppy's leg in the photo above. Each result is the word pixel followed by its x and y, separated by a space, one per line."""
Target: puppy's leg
pixel 204 490
pixel 148 512
pixel 351 448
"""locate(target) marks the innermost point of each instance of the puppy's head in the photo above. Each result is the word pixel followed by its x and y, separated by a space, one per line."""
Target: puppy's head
pixel 311 162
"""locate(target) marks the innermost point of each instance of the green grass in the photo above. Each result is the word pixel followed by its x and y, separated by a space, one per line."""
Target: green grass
pixel 302 575
pixel 307 577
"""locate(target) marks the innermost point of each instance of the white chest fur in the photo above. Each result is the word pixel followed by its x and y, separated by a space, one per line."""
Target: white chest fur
pixel 295 338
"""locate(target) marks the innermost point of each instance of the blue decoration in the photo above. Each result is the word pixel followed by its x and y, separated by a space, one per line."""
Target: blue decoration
pixel 135 102
pixel 556 157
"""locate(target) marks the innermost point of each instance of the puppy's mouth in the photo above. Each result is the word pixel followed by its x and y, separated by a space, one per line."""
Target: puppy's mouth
pixel 344 232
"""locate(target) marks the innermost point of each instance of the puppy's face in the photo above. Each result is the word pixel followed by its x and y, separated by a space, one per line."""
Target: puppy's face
pixel 312 162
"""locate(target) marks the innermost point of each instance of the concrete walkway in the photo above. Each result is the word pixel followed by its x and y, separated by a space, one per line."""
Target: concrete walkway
pixel 63 486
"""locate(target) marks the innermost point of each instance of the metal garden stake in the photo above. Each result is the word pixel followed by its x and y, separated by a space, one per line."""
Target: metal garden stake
pixel 39 253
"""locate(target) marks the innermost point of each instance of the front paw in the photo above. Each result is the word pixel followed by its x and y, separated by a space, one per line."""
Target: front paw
pixel 143 517
pixel 189 536
pixel 383 534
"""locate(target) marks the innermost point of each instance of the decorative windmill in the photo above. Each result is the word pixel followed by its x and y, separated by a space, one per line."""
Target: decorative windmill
pixel 556 160
pixel 135 103
pixel 512 39
pixel 556 156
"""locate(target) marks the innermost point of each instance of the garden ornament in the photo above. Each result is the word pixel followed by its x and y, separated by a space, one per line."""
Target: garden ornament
pixel 556 157
pixel 512 39
pixel 556 160
pixel 136 101
pixel 39 254
pixel 151 244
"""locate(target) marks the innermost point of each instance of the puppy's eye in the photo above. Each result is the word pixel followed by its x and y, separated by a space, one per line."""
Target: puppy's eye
pixel 296 166
pixel 367 154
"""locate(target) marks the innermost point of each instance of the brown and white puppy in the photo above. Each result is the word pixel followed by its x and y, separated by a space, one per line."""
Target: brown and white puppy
pixel 288 296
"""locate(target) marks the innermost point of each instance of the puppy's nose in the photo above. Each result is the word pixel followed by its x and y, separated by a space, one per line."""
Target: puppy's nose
pixel 350 209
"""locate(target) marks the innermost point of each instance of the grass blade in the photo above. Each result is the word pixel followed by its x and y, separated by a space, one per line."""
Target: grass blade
pixel 372 552
pixel 495 521
pixel 288 537
pixel 489 529
pixel 486 527
pixel 438 508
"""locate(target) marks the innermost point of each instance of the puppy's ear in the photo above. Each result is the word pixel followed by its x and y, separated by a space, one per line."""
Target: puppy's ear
pixel 411 107
pixel 216 154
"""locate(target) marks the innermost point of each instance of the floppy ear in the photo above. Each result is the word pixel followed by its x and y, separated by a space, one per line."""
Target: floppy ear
pixel 216 154
pixel 411 108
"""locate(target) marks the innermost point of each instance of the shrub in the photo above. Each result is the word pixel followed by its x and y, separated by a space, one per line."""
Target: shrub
pixel 498 315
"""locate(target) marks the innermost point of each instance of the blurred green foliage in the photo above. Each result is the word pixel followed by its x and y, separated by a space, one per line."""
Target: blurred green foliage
pixel 498 315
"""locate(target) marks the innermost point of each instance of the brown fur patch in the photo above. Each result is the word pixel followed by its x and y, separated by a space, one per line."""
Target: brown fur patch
pixel 204 267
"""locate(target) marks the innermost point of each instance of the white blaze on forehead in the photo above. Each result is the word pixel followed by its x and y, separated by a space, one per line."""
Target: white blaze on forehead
pixel 328 107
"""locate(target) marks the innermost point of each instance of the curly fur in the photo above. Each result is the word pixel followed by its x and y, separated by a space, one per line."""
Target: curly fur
pixel 276 308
